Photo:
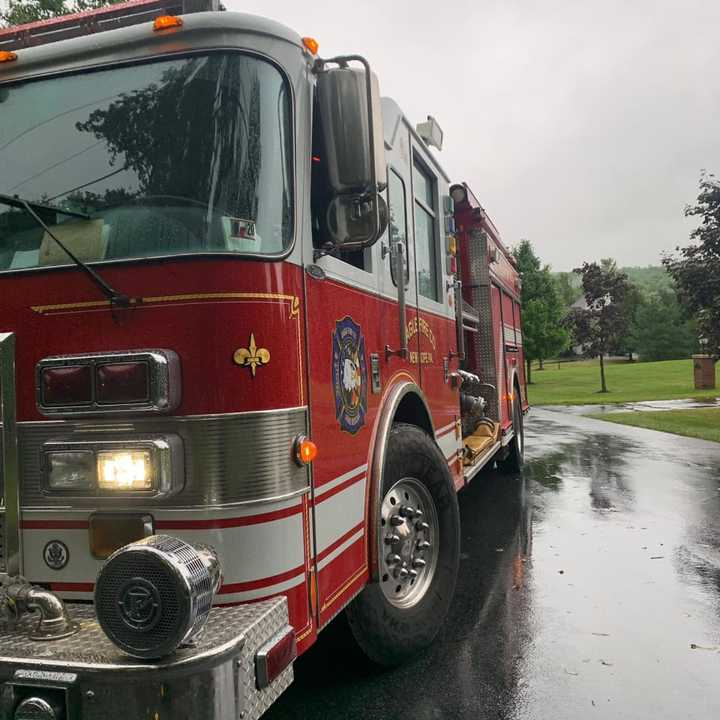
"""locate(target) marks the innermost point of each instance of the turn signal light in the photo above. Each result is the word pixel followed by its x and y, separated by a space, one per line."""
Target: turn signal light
pixel 126 382
pixel 311 44
pixel 305 450
pixel 166 21
pixel 7 56
pixel 70 385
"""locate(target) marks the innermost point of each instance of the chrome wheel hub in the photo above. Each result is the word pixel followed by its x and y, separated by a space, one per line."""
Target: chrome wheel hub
pixel 408 542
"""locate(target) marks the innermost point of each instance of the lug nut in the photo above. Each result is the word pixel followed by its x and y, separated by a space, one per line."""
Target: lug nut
pixel 390 539
pixel 419 563
pixel 413 574
pixel 419 513
pixel 396 520
pixel 421 526
pixel 423 545
pixel 407 511
pixel 403 573
pixel 393 558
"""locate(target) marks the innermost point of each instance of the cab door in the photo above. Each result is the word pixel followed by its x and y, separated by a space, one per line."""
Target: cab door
pixel 343 334
pixel 435 328
pixel 400 230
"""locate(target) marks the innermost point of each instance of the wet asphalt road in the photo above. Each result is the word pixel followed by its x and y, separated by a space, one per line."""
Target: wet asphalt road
pixel 590 588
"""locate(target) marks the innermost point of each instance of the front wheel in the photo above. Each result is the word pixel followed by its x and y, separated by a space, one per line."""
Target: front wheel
pixel 418 552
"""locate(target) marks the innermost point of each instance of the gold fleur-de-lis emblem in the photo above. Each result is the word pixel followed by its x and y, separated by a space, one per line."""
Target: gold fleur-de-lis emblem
pixel 252 356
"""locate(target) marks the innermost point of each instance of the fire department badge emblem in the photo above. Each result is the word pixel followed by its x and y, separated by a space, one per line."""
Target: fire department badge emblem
pixel 349 375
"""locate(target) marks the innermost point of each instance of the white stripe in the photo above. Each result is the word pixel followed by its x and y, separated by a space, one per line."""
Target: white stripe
pixel 237 548
pixel 448 445
pixel 260 592
pixel 341 548
pixel 444 428
pixel 336 515
pixel 340 480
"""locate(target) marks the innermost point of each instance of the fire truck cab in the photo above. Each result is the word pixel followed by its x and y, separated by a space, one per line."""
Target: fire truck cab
pixel 253 341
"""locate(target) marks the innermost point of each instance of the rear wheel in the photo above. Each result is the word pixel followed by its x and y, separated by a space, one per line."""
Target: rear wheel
pixel 513 461
pixel 418 552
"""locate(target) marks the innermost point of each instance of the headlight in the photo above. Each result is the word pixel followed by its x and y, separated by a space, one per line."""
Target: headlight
pixel 125 470
pixel 147 466
pixel 69 470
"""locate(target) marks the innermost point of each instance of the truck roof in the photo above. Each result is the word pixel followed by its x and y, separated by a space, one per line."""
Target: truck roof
pixel 203 29
pixel 112 25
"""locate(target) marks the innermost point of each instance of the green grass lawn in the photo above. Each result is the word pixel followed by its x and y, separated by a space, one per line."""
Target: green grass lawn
pixel 700 423
pixel 577 383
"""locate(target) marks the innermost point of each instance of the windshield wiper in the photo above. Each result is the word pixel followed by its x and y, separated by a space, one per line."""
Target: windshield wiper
pixel 115 297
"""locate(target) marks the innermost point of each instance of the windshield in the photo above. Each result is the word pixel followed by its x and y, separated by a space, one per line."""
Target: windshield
pixel 179 156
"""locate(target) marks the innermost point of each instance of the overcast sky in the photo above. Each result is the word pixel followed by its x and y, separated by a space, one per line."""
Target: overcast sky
pixel 582 126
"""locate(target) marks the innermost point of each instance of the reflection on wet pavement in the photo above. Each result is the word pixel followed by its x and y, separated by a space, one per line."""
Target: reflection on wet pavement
pixel 639 406
pixel 590 587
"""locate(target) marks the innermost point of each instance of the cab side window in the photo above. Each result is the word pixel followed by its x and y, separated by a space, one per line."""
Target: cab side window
pixel 424 188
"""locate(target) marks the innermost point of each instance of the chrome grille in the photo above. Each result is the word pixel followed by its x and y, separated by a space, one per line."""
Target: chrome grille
pixel 239 457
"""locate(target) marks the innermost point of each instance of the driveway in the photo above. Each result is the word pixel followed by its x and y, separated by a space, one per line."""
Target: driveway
pixel 590 588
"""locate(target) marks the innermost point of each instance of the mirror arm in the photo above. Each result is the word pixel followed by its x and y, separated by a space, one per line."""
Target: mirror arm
pixel 397 251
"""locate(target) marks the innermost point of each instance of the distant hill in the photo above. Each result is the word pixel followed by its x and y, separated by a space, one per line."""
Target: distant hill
pixel 648 279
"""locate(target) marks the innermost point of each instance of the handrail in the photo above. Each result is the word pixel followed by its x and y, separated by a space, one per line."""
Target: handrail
pixel 397 250
pixel 9 458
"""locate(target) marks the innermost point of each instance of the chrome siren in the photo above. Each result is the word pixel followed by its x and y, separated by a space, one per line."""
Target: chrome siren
pixel 155 594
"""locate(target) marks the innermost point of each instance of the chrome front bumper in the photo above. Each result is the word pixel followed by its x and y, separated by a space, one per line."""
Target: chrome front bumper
pixel 215 679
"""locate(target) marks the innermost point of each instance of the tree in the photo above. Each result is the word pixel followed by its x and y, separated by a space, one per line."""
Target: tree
pixel 27 11
pixel 543 332
pixel 661 329
pixel 567 285
pixel 599 326
pixel 696 269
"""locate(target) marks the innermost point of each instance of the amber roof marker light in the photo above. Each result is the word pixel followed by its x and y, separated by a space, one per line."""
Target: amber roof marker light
pixel 165 22
pixel 311 44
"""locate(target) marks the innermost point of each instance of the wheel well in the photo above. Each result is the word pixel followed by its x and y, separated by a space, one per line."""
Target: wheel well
pixel 412 410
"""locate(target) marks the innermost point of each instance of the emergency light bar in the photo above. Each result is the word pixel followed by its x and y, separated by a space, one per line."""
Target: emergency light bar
pixel 89 22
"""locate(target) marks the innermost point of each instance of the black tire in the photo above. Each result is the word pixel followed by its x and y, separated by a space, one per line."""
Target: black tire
pixel 387 634
pixel 512 463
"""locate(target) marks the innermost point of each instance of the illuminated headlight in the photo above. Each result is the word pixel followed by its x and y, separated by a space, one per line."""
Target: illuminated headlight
pixel 125 470
pixel 147 466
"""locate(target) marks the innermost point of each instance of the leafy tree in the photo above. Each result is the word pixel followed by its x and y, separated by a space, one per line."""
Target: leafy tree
pixel 543 332
pixel 661 328
pixel 26 11
pixel 599 326
pixel 567 285
pixel 696 269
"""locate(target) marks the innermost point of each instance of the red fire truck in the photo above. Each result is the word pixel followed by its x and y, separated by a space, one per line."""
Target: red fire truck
pixel 252 343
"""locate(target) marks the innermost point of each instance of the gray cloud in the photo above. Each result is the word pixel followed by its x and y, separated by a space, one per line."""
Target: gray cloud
pixel 581 126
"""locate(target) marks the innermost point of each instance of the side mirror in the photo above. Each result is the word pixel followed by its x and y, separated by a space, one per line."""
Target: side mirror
pixel 352 130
